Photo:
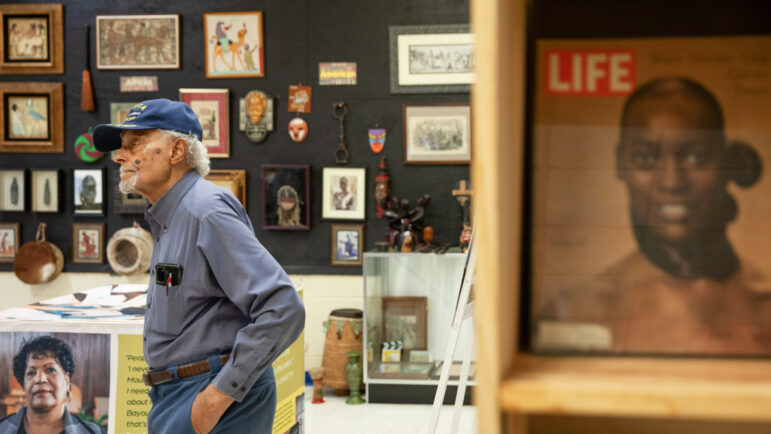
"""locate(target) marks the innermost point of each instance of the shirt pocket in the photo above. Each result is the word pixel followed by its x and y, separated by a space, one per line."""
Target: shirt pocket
pixel 168 311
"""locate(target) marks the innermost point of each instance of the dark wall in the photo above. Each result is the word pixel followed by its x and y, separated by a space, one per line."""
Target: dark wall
pixel 298 34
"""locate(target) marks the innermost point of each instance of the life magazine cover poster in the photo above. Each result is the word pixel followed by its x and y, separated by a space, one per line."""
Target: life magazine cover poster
pixel 650 219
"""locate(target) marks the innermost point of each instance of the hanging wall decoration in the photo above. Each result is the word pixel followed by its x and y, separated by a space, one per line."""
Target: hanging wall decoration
pixel 211 106
pixel 234 45
pixel 256 115
pixel 33 118
pixel 32 37
pixel 377 138
pixel 137 42
pixel 85 149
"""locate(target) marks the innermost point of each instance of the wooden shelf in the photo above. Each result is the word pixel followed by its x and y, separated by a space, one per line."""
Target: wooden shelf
pixel 648 387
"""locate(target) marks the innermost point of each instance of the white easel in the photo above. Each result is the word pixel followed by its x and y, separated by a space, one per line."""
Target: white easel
pixel 463 311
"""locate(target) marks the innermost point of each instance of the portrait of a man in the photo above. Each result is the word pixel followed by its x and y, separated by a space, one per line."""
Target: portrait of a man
pixel 654 255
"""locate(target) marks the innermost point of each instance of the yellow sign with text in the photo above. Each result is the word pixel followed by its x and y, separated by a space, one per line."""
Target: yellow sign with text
pixel 132 404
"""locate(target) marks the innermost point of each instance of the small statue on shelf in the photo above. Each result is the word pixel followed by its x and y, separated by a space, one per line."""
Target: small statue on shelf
pixel 405 223
pixel 382 188
pixel 317 374
pixel 463 193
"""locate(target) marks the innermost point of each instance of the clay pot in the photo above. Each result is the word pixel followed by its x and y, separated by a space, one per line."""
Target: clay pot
pixel 130 250
pixel 38 261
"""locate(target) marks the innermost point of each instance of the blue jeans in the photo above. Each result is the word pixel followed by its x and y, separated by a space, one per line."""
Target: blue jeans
pixel 173 401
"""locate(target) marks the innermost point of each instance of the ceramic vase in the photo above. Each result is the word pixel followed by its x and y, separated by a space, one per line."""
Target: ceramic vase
pixel 353 372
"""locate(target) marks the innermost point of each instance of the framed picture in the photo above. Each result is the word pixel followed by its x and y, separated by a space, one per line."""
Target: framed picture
pixel 431 58
pixel 286 197
pixel 45 190
pixel 233 180
pixel 131 203
pixel 644 188
pixel 137 42
pixel 406 319
pixel 32 39
pixel 344 193
pixel 13 188
pixel 233 44
pixel 119 111
pixel 9 241
pixel 88 243
pixel 32 117
pixel 211 106
pixel 437 133
pixel 88 192
pixel 346 245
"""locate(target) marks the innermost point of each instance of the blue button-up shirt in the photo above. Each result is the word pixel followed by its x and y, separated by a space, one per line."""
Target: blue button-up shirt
pixel 233 295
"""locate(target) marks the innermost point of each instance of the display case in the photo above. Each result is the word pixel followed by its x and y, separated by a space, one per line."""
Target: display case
pixel 409 302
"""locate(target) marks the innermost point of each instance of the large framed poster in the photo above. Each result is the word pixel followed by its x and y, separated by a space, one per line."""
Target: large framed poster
pixel 649 220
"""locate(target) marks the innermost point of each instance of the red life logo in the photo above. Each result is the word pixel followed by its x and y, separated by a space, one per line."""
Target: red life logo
pixel 590 72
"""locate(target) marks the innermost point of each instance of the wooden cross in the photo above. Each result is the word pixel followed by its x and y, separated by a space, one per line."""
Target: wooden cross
pixel 462 194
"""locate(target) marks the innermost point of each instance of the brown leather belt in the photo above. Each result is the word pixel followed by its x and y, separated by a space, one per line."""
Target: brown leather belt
pixel 154 378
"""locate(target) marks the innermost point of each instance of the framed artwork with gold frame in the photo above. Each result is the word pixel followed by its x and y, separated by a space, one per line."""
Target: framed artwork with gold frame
pixel 346 244
pixel 31 39
pixel 32 117
pixel 233 180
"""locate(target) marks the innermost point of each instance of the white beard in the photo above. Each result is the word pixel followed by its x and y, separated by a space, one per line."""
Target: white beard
pixel 129 185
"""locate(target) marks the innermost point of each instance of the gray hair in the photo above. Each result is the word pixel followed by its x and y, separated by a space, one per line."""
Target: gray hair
pixel 196 156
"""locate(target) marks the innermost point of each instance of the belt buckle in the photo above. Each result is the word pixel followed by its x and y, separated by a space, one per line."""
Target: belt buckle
pixel 146 378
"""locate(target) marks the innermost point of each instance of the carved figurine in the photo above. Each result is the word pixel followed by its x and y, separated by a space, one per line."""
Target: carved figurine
pixel 402 219
pixel 256 115
pixel 382 188
pixel 317 374
pixel 463 193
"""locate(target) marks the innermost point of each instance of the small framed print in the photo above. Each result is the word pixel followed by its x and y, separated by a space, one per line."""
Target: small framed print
pixel 13 190
pixel 406 319
pixel 32 117
pixel 431 58
pixel 137 42
pixel 437 133
pixel 88 243
pixel 45 190
pixel 286 200
pixel 9 241
pixel 211 106
pixel 233 44
pixel 119 111
pixel 88 192
pixel 346 244
pixel 32 39
pixel 344 193
pixel 233 180
pixel 126 203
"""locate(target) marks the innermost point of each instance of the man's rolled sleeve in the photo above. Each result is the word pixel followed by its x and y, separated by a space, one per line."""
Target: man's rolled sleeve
pixel 257 285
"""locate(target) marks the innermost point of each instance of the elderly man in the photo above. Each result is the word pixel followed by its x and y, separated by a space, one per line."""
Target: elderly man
pixel 220 309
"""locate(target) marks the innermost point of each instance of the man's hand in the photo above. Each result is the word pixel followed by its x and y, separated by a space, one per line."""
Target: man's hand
pixel 208 407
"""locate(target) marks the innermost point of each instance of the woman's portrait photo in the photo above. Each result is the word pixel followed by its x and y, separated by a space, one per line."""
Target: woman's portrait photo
pixel 51 387
pixel 647 234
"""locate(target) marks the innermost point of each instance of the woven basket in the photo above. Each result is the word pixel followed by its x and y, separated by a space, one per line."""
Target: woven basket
pixel 344 333
pixel 38 261
pixel 130 250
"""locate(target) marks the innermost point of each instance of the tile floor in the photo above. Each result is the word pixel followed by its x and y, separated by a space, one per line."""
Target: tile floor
pixel 334 416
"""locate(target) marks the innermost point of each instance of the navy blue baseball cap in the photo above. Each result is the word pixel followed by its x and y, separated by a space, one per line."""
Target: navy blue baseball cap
pixel 161 114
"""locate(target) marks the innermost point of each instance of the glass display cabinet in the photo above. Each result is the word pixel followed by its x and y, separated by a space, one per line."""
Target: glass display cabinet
pixel 409 302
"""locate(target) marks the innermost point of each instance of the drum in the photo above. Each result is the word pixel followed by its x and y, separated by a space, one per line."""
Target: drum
pixel 130 250
pixel 38 261
pixel 343 333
